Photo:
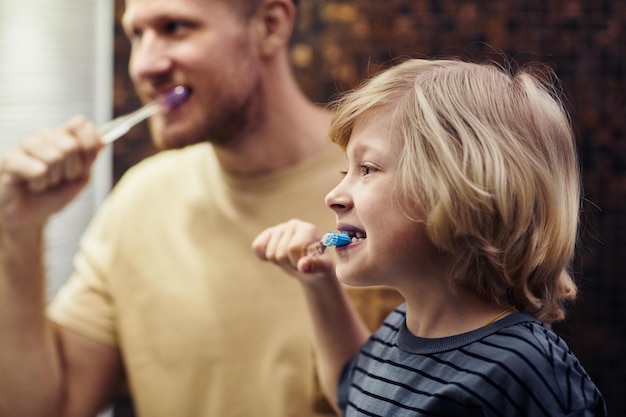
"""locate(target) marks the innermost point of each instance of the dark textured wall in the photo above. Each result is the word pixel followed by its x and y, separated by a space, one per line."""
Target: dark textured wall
pixel 340 42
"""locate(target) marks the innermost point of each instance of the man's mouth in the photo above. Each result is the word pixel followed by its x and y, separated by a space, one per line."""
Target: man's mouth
pixel 174 97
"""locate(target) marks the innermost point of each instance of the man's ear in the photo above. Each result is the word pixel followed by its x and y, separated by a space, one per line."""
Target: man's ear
pixel 275 22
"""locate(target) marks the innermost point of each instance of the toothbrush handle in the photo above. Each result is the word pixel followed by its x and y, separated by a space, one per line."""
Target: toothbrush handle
pixel 119 126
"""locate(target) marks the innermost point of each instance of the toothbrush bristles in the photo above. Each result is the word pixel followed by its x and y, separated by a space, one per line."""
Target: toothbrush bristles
pixel 336 239
pixel 176 97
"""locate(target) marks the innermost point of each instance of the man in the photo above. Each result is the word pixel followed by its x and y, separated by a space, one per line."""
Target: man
pixel 167 294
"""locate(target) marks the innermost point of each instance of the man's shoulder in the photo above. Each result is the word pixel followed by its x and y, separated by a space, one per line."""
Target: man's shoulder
pixel 165 172
pixel 164 164
pixel 174 159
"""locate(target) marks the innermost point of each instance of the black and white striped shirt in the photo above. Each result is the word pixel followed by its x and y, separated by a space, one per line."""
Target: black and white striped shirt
pixel 514 367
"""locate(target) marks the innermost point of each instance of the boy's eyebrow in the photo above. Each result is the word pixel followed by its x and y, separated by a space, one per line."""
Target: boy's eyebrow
pixel 361 148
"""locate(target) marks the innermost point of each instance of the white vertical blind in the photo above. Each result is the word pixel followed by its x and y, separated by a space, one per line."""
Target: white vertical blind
pixel 56 61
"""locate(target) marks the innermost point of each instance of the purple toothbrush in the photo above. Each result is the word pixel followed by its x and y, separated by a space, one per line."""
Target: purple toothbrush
pixel 118 127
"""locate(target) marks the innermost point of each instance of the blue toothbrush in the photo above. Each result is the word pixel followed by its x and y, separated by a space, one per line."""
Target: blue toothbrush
pixel 336 239
pixel 329 239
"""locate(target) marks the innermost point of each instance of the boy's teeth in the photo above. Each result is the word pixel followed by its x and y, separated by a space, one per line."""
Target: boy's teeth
pixel 358 236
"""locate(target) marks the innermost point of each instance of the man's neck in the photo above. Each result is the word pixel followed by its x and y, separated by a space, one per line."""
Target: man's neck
pixel 294 130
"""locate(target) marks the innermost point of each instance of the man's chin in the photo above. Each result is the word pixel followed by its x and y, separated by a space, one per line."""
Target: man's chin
pixel 168 137
pixel 163 142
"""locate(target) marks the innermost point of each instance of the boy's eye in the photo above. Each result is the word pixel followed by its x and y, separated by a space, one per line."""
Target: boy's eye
pixel 363 169
pixel 367 169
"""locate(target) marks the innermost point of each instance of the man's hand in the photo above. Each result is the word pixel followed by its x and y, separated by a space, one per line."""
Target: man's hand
pixel 46 172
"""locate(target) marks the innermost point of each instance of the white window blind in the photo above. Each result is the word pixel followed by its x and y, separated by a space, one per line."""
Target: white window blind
pixel 56 61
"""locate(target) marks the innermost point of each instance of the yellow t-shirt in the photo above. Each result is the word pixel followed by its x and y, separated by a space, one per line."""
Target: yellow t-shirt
pixel 165 272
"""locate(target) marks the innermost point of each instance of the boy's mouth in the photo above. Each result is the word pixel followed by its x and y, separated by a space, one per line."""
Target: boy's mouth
pixel 355 235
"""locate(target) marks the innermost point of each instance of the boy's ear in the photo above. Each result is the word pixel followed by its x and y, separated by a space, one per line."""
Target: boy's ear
pixel 275 22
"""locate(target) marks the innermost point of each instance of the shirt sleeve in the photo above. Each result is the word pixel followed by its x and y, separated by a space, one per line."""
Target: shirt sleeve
pixel 84 304
pixel 344 384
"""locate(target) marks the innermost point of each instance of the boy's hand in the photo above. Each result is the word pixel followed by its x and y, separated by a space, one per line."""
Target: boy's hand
pixel 292 246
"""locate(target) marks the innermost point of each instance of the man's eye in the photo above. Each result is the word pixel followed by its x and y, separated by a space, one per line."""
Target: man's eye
pixel 133 34
pixel 174 26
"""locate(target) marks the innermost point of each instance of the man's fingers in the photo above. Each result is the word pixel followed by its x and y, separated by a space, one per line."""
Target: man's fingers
pixel 52 157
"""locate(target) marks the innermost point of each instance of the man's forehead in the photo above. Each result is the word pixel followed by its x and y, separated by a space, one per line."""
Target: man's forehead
pixel 138 9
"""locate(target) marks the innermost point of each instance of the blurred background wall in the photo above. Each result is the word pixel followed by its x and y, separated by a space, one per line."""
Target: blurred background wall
pixel 338 43
pixel 55 61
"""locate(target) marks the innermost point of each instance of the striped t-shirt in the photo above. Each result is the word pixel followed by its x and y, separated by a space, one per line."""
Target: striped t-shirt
pixel 515 366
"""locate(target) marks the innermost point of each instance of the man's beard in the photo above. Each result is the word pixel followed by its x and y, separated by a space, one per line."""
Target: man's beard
pixel 223 128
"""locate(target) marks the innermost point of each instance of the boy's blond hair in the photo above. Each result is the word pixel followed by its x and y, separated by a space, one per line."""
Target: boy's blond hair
pixel 489 155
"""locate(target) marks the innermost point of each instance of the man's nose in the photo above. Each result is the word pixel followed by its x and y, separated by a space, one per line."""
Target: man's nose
pixel 149 57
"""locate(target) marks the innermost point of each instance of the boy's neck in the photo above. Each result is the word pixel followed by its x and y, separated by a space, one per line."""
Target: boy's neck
pixel 446 314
